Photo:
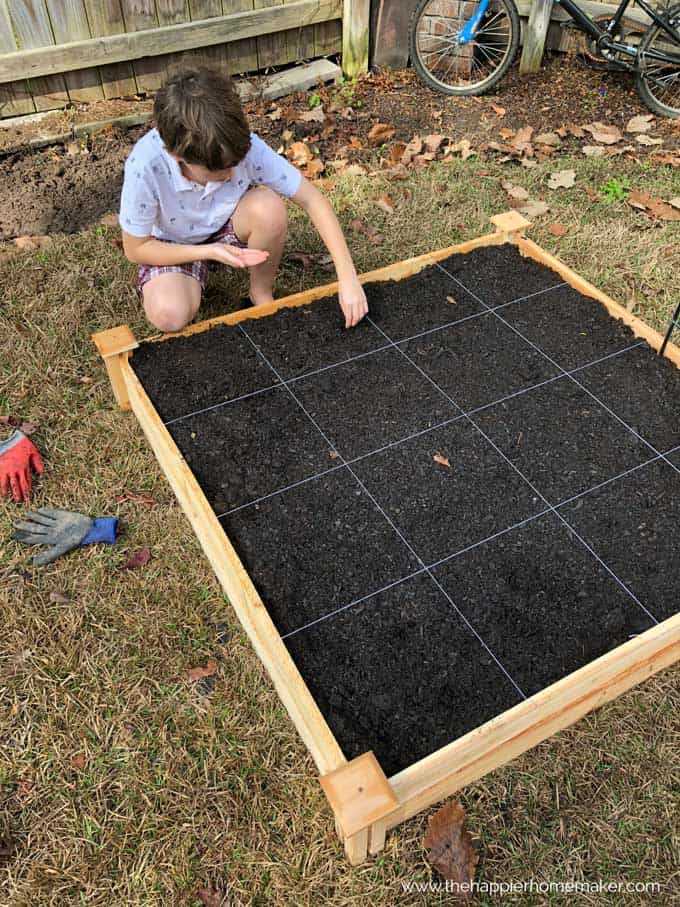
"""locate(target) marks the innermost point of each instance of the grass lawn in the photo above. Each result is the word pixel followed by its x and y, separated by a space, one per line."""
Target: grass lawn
pixel 122 782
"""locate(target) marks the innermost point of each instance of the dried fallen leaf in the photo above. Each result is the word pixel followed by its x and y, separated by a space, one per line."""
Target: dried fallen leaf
pixel 674 201
pixel 534 208
pixel 499 111
pixel 380 133
pixel 315 115
pixel 666 157
pixel 557 229
pixel 603 133
pixel 314 168
pixel 653 205
pixel 396 152
pixel 522 140
pixel 384 202
pixel 433 142
pixel 137 559
pixel 562 179
pixel 463 147
pixel 441 459
pixel 593 150
pixel 109 220
pixel 576 131
pixel 275 114
pixel 648 140
pixel 506 133
pixel 355 170
pixel 548 138
pixel 451 300
pixel 414 147
pixel 641 123
pixel 207 671
pixel 452 852
pixel 299 154
pixel 517 192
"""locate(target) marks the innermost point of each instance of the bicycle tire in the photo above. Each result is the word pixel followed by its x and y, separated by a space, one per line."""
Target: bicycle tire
pixel 643 81
pixel 484 84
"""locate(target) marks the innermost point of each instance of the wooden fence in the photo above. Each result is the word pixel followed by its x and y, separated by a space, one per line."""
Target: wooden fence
pixel 55 52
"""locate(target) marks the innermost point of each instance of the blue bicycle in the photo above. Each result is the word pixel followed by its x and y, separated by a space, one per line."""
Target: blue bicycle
pixel 464 47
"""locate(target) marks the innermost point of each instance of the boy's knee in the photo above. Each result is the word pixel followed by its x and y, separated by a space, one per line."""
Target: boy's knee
pixel 269 209
pixel 168 319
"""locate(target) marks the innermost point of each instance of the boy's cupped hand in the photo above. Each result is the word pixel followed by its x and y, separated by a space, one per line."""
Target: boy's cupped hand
pixel 236 257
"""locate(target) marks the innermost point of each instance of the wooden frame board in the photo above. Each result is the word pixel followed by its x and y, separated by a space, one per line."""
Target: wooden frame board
pixel 365 803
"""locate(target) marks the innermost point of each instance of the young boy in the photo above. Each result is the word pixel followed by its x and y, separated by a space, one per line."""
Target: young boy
pixel 201 187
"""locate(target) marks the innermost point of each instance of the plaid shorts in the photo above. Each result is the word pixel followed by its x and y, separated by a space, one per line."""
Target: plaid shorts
pixel 196 269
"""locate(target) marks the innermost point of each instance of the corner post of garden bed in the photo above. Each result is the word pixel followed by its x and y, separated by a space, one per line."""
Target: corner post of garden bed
pixel 113 346
pixel 361 798
pixel 510 225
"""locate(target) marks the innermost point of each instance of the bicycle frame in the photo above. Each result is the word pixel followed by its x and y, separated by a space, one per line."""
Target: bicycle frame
pixel 591 28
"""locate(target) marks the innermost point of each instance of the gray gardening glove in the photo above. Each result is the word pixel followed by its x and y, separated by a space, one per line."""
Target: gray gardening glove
pixel 62 530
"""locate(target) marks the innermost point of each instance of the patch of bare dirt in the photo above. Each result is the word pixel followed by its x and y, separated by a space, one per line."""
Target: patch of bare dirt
pixel 65 188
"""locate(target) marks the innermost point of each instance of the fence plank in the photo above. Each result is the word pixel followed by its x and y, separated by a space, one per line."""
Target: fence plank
pixel 15 98
pixel 106 18
pixel 355 33
pixel 141 15
pixel 535 35
pixel 31 29
pixel 328 38
pixel 171 12
pixel 154 43
pixel 242 55
pixel 69 23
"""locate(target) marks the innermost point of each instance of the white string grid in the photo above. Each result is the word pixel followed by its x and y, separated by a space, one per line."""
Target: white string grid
pixel 483 314
pixel 570 375
pixel 346 464
pixel 395 528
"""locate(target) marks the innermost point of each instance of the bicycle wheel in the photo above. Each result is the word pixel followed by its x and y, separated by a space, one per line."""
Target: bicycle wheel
pixel 472 67
pixel 658 82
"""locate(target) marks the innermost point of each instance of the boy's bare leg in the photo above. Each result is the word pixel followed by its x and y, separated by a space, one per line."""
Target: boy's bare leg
pixel 261 221
pixel 171 300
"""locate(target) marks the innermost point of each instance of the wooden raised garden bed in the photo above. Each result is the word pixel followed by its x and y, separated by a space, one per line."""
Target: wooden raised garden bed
pixel 449 532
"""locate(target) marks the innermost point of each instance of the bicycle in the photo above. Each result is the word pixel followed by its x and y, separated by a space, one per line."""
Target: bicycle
pixel 464 47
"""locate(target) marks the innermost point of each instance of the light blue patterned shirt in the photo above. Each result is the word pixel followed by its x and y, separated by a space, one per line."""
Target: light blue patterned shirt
pixel 157 200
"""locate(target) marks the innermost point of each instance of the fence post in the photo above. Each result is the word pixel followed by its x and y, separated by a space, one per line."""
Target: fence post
pixel 355 34
pixel 535 35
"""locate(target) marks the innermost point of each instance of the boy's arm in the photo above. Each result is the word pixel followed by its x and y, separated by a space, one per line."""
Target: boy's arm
pixel 350 292
pixel 145 250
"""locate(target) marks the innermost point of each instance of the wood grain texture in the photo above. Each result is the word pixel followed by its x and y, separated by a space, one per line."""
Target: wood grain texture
pixel 106 18
pixel 15 97
pixel 31 28
pixel 69 23
pixel 154 42
pixel 356 20
pixel 236 583
pixel 534 36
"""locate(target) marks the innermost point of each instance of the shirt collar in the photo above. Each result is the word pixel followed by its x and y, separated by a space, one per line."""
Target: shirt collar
pixel 179 181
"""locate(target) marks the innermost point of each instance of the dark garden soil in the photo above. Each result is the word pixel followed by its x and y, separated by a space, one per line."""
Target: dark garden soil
pixel 67 188
pixel 341 554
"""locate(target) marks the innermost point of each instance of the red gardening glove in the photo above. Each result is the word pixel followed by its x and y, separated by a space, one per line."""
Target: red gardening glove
pixel 18 455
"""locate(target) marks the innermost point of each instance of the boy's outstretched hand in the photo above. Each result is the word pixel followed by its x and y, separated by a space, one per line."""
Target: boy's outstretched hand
pixel 352 301
pixel 236 257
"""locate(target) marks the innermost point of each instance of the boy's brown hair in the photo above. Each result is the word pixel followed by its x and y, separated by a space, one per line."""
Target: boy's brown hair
pixel 200 119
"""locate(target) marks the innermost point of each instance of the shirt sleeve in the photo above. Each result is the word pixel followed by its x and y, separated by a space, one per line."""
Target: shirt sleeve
pixel 267 168
pixel 138 200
